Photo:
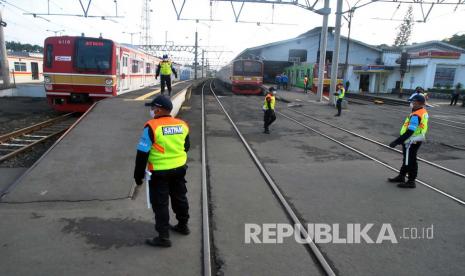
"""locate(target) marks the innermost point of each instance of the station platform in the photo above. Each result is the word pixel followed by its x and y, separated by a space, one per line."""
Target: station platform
pixel 71 213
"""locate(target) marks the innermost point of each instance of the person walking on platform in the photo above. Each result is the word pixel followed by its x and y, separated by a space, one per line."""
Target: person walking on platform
pixel 340 94
pixel 456 94
pixel 305 84
pixel 412 134
pixel 284 81
pixel 162 150
pixel 165 68
pixel 268 108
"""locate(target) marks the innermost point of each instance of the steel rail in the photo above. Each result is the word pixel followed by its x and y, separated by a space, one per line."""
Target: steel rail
pixel 309 240
pixel 32 128
pixel 28 146
pixel 205 212
pixel 379 143
pixel 372 158
pixel 432 117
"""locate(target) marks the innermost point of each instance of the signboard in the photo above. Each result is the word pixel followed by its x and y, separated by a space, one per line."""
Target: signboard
pixel 62 58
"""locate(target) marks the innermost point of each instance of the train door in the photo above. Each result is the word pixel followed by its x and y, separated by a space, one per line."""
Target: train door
pixel 118 71
pixel 125 72
pixel 35 70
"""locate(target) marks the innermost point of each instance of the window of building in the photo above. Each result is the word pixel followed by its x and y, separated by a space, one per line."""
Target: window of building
pixel 20 66
pixel 135 66
pixel 297 55
pixel 444 77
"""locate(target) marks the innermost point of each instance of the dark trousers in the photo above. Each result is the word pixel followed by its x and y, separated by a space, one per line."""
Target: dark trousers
pixel 165 185
pixel 454 99
pixel 165 79
pixel 305 88
pixel 409 161
pixel 268 118
pixel 339 106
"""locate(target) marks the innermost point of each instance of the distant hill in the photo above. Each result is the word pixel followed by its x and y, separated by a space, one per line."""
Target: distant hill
pixel 19 47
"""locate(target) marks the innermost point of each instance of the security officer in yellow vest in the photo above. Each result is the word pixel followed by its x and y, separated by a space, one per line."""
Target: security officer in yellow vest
pixel 163 150
pixel 340 94
pixel 268 108
pixel 165 67
pixel 412 134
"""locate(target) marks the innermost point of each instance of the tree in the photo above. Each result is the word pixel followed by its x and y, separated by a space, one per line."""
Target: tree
pixel 456 40
pixel 405 29
pixel 17 46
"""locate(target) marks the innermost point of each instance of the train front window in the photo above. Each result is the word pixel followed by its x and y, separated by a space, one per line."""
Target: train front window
pixel 93 54
pixel 252 68
pixel 237 70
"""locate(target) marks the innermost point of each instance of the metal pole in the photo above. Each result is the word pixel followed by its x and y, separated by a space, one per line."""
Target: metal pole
pixel 203 56
pixel 195 59
pixel 346 64
pixel 321 64
pixel 3 56
pixel 337 44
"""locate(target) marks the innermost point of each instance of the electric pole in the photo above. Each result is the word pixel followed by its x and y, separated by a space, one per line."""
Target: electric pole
pixel 321 64
pixel 3 55
pixel 203 61
pixel 337 44
pixel 145 38
pixel 195 59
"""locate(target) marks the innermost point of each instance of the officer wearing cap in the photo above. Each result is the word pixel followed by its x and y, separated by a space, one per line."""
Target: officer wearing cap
pixel 165 68
pixel 418 91
pixel 412 134
pixel 268 108
pixel 162 150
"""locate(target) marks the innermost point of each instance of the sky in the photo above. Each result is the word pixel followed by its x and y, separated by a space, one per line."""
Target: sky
pixel 376 23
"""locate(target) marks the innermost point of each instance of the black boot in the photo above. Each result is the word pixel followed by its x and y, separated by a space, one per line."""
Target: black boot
pixel 397 179
pixel 266 131
pixel 181 229
pixel 409 184
pixel 160 241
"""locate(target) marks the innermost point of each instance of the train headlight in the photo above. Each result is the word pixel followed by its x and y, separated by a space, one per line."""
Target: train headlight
pixel 48 87
pixel 109 82
pixel 47 79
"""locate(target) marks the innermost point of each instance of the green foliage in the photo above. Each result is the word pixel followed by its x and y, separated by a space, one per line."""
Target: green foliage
pixel 405 29
pixel 18 46
pixel 456 40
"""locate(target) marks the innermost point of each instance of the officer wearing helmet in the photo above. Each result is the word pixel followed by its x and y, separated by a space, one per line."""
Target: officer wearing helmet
pixel 162 150
pixel 412 134
pixel 268 108
pixel 165 68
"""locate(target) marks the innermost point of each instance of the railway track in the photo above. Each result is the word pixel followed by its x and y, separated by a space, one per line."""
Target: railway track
pixel 16 142
pixel 364 99
pixel 312 249
pixel 359 151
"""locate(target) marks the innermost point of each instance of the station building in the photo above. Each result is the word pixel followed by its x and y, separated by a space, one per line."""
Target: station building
pixel 25 67
pixel 370 68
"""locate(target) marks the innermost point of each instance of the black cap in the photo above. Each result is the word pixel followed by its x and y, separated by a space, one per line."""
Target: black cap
pixel 162 102
pixel 418 98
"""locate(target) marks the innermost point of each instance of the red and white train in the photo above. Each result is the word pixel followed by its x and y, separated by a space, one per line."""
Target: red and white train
pixel 81 70
pixel 243 76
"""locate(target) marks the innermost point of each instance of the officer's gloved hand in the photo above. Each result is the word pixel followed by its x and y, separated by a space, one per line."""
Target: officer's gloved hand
pixel 175 76
pixel 393 144
pixel 156 77
pixel 139 181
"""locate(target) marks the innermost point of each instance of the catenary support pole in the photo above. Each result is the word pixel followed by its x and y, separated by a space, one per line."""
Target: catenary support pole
pixel 337 45
pixel 321 63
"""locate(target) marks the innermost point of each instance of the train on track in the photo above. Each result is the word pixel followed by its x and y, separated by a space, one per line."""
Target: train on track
pixel 79 71
pixel 243 76
pixel 296 74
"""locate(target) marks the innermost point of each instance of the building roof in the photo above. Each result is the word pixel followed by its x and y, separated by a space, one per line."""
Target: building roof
pixel 25 54
pixel 312 32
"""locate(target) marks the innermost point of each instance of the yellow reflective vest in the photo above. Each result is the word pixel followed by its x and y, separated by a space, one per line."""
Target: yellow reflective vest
pixel 167 150
pixel 341 93
pixel 272 103
pixel 420 132
pixel 165 68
